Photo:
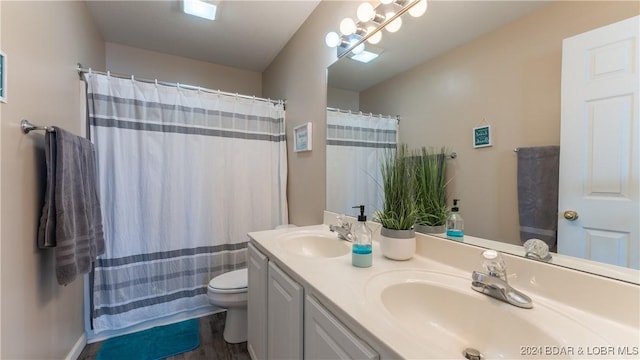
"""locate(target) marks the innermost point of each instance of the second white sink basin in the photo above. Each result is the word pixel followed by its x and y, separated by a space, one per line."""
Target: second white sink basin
pixel 448 315
pixel 315 244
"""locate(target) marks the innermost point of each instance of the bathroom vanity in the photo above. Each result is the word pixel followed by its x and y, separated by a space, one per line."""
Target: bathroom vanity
pixel 306 300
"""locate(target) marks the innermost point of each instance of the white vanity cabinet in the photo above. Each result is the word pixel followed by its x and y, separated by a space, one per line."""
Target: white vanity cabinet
pixel 274 309
pixel 257 304
pixel 326 338
pixel 284 316
pixel 283 324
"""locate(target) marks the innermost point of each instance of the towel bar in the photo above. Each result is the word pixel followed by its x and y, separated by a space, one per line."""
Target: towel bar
pixel 27 127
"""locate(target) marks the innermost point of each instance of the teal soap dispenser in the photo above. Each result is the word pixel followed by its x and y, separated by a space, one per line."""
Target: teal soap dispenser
pixel 455 224
pixel 361 254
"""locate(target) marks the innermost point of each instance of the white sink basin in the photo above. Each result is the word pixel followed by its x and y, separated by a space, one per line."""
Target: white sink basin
pixel 447 315
pixel 315 244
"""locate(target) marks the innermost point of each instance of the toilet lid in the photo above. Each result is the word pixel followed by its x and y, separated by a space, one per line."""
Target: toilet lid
pixel 236 279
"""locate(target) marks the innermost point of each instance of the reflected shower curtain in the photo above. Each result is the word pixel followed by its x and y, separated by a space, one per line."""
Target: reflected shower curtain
pixel 356 144
pixel 183 176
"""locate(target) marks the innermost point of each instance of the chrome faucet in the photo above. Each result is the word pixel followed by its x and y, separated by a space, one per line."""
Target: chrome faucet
pixel 343 229
pixel 495 283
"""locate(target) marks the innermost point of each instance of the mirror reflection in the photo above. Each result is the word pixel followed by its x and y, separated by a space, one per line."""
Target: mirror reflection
pixel 469 64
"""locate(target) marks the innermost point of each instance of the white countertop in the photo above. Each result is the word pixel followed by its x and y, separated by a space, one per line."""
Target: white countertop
pixel 345 290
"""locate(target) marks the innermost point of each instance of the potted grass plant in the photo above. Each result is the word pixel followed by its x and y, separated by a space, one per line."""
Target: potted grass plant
pixel 430 173
pixel 398 214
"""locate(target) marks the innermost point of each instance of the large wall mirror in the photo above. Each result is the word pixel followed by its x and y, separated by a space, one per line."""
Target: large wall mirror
pixel 469 63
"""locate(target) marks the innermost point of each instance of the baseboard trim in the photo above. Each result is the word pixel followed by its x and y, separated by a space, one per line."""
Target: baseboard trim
pixel 77 348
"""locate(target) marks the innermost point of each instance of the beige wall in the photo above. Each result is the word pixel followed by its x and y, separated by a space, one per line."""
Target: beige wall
pixel 299 75
pixel 43 42
pixel 511 77
pixel 343 99
pixel 1 106
pixel 164 67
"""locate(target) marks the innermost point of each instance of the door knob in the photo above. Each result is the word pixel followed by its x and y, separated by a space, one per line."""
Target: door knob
pixel 570 215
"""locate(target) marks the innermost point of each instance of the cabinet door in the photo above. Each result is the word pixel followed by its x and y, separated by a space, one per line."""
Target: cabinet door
pixel 257 304
pixel 284 317
pixel 326 338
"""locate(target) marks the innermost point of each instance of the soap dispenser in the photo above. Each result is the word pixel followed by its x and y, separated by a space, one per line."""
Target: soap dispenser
pixel 455 224
pixel 361 255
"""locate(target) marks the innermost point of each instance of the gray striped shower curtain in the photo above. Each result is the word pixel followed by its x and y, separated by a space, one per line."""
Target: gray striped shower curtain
pixel 356 145
pixel 183 176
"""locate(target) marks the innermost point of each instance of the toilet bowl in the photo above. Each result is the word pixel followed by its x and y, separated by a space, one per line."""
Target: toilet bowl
pixel 229 291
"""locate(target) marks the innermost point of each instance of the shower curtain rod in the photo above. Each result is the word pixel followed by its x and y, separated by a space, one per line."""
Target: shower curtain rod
pixel 361 113
pixel 82 70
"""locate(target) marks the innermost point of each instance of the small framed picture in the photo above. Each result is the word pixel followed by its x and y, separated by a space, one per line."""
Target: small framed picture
pixel 482 136
pixel 302 137
pixel 3 77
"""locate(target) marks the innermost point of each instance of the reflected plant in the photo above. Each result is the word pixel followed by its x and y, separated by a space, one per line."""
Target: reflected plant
pixel 430 172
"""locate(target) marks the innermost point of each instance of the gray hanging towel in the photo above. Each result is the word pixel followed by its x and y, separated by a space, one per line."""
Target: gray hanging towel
pixel 71 218
pixel 538 172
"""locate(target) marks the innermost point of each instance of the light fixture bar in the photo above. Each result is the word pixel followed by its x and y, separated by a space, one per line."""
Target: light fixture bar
pixel 345 49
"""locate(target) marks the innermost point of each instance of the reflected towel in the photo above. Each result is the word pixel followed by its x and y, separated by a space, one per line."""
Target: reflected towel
pixel 71 219
pixel 538 193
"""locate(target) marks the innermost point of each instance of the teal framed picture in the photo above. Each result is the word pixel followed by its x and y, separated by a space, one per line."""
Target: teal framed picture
pixel 302 137
pixel 482 136
pixel 3 77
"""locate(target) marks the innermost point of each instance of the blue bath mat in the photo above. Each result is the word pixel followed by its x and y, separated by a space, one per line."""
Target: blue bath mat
pixel 155 343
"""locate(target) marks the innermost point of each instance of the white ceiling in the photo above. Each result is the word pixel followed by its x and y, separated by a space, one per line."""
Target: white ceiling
pixel 246 34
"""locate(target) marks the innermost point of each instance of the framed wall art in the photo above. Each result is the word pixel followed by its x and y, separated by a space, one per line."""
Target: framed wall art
pixel 3 77
pixel 302 135
pixel 482 136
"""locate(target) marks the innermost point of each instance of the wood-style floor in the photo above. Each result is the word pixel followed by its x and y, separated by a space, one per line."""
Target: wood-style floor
pixel 212 345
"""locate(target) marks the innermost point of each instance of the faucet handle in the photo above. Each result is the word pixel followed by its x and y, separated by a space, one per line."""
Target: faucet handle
pixel 342 222
pixel 537 249
pixel 494 264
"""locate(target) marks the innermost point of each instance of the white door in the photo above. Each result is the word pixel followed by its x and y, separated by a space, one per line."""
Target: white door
pixel 599 153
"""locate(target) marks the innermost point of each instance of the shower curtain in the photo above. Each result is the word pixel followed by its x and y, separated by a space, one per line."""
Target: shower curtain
pixel 183 176
pixel 356 144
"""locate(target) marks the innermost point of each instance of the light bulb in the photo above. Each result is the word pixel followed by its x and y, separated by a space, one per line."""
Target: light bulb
pixel 365 12
pixel 375 38
pixel 418 9
pixel 395 24
pixel 358 49
pixel 332 39
pixel 347 26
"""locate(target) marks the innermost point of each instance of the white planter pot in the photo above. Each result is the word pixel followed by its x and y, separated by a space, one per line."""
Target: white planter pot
pixel 426 229
pixel 398 244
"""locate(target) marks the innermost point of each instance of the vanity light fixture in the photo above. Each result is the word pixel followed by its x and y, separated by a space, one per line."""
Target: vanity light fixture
pixel 199 8
pixel 375 37
pixel 395 24
pixel 386 14
pixel 419 9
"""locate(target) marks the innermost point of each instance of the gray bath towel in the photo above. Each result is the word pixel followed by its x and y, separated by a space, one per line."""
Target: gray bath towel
pixel 71 219
pixel 538 193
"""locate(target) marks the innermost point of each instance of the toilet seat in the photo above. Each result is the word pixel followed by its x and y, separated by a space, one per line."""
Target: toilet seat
pixel 230 282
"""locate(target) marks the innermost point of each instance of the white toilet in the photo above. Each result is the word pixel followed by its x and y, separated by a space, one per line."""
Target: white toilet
pixel 229 291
